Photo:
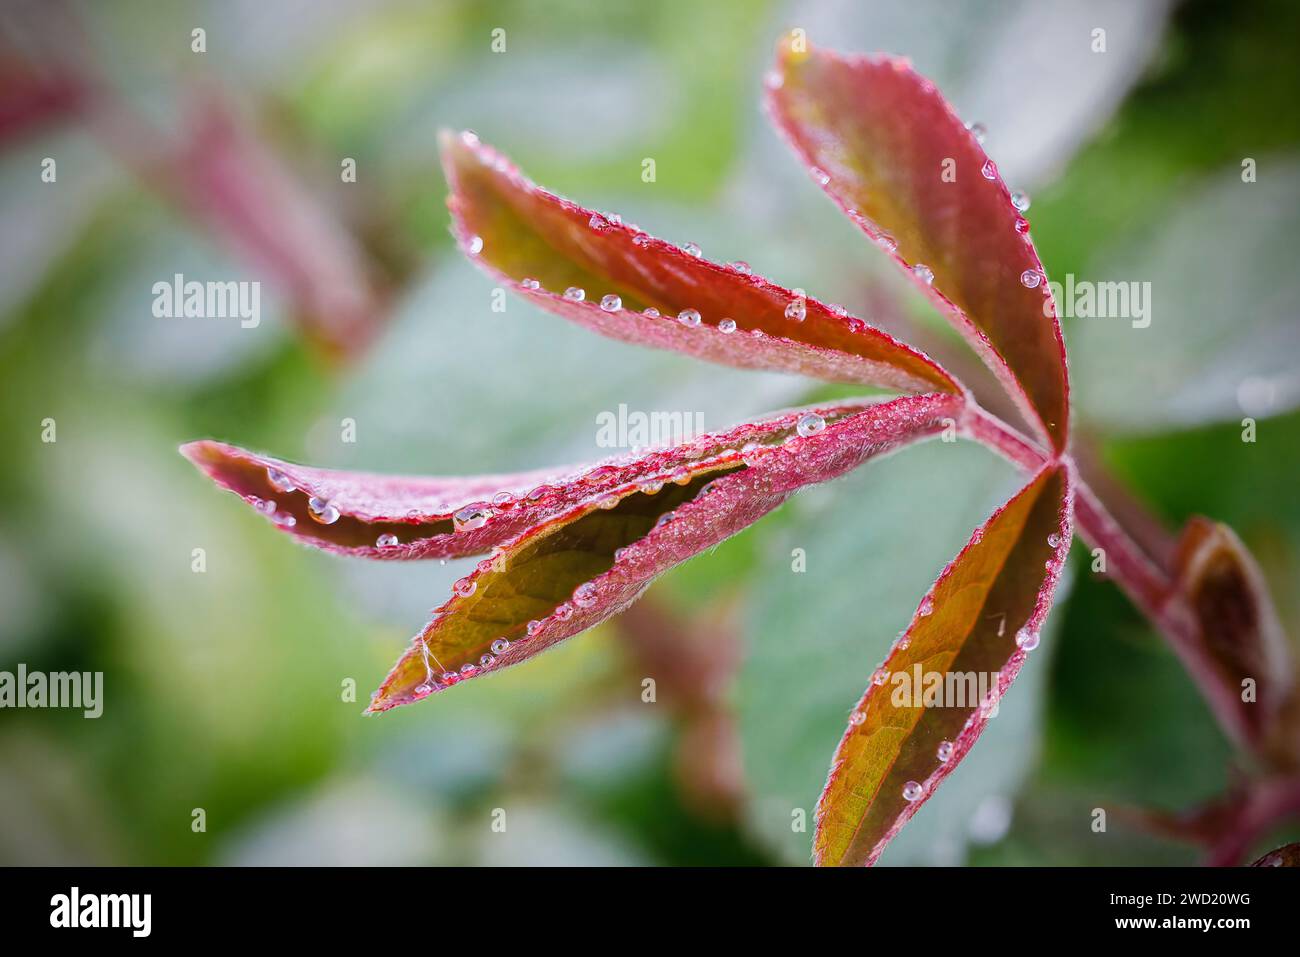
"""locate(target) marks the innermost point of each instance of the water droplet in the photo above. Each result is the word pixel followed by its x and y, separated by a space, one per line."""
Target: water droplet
pixel 838 310
pixel 475 245
pixel 820 176
pixel 485 661
pixel 584 596
pixel 1022 226
pixel 502 498
pixel 640 239
pixel 615 218
pixel 912 791
pixel 500 645
pixel 563 612
pixel 664 519
pixel 450 677
pixel 978 130
pixel 425 688
pixel 533 627
pixel 1030 278
pixel 880 676
pixel 1054 540
pixel 464 587
pixel 540 492
pixel 903 641
pixel 944 752
pixel 689 317
pixel 279 480
pixel 598 222
pixel 1026 640
pixel 887 242
pixel 265 506
pixel 620 554
pixel 471 517
pixel 691 249
pixel 810 423
pixel 857 718
pixel 322 511
pixel 608 502
pixel 926 609
pixel 651 313
pixel 773 80
pixel 611 303
pixel 468 669
pixel 387 540
pixel 923 272
pixel 1020 200
pixel 727 325
pixel 796 310
pixel 575 293
pixel 531 284
pixel 284 520
pixel 469 138
pixel 989 170
pixel 739 266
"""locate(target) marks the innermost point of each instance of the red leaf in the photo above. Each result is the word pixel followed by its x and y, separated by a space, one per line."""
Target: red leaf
pixel 1238 635
pixel 574 571
pixel 446 517
pixel 1288 855
pixel 33 96
pixel 879 139
pixel 980 619
pixel 541 245
pixel 226 176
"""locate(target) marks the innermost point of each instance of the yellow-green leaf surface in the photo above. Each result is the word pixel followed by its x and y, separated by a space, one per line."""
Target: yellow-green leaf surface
pixel 939 687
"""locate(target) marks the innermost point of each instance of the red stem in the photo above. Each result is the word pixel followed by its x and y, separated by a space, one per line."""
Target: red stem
pixel 1270 802
pixel 1146 584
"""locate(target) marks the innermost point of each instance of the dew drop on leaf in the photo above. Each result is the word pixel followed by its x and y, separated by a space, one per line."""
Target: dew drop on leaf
pixel 471 517
pixel 1026 640
pixel 810 423
pixel 322 511
pixel 279 480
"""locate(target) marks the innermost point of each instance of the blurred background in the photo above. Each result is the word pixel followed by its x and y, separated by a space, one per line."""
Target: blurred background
pixel 226 691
